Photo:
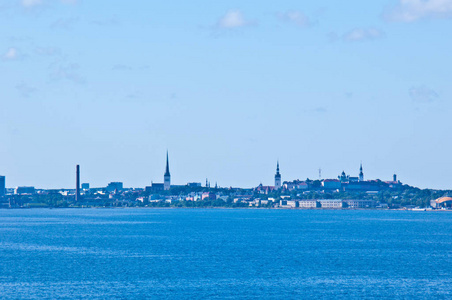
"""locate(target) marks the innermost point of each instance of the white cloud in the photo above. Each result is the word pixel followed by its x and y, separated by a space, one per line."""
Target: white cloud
pixel 31 3
pixel 361 34
pixel 232 19
pixel 296 17
pixel 412 10
pixel 11 54
pixel 423 94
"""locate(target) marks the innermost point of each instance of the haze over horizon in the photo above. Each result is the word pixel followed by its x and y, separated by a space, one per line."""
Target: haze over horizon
pixel 227 88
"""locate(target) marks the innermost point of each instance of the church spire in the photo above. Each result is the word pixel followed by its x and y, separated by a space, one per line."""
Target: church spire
pixel 167 176
pixel 361 174
pixel 167 172
pixel 277 177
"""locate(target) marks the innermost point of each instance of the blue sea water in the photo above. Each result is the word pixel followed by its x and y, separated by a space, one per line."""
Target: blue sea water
pixel 224 253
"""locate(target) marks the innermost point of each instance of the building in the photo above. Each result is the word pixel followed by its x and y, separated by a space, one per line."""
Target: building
pixel 289 185
pixel 2 186
pixel 155 187
pixel 166 185
pixel 302 186
pixel 289 203
pixel 361 174
pixel 265 189
pixel 295 185
pixel 331 184
pixel 24 190
pixel 277 177
pixel 347 178
pixel 370 185
pixel 115 186
pixel 167 176
pixel 359 203
pixel 85 186
pixel 330 203
pixel 353 179
pixel 194 184
pixel 441 202
pixel 343 177
pixel 308 203
pixel 208 196
pixel 394 184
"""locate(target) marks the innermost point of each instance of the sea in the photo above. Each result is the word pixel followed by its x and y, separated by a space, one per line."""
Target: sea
pixel 225 254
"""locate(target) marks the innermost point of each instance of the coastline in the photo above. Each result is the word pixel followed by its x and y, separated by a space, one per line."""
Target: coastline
pixel 228 208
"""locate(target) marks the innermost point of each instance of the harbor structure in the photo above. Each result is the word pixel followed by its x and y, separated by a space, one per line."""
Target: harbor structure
pixel 441 202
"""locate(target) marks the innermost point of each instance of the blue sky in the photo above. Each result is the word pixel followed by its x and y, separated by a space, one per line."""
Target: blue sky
pixel 227 87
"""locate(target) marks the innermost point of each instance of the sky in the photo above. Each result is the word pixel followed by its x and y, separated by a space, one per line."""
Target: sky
pixel 228 88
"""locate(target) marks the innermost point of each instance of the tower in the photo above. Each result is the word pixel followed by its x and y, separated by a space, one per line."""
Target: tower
pixel 167 176
pixel 2 186
pixel 77 183
pixel 361 174
pixel 277 177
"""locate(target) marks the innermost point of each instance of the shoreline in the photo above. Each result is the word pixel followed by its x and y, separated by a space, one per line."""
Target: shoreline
pixel 236 208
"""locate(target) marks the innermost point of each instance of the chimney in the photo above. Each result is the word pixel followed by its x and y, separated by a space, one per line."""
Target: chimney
pixel 77 184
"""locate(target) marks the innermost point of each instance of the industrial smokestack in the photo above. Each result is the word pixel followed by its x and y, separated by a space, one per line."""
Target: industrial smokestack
pixel 77 184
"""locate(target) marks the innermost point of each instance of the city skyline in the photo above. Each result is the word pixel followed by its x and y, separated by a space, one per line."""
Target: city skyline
pixel 278 179
pixel 163 149
pixel 228 87
pixel 279 182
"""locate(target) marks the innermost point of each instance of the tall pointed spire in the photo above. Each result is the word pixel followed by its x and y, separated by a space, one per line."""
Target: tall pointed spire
pixel 277 177
pixel 361 174
pixel 167 176
pixel 167 172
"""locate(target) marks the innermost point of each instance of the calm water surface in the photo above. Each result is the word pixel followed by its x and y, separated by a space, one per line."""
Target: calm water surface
pixel 197 253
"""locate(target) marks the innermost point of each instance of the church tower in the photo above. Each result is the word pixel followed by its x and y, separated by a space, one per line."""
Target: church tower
pixel 167 176
pixel 277 177
pixel 361 174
